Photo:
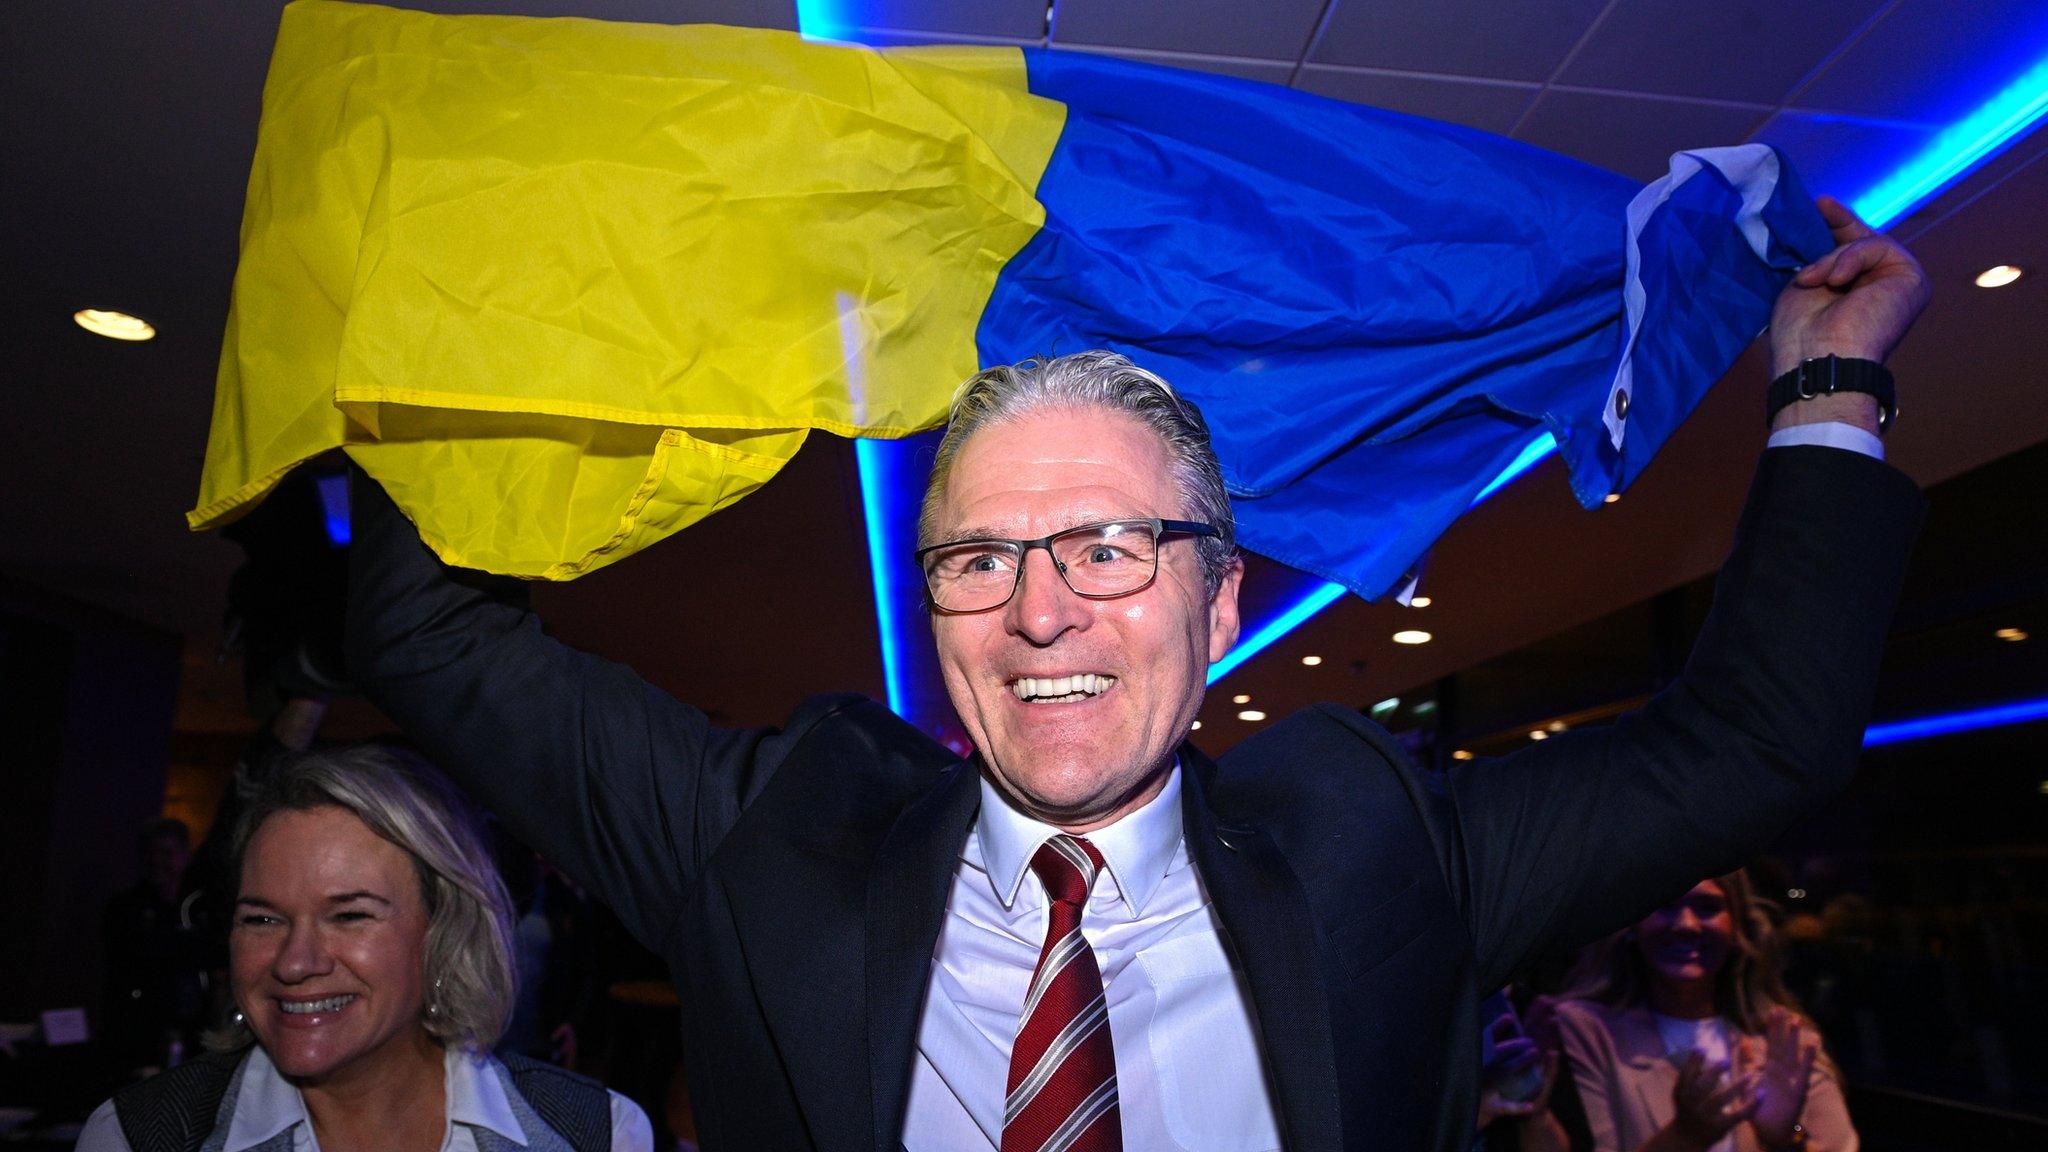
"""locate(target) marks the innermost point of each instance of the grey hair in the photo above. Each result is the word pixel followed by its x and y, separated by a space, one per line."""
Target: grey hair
pixel 1105 380
pixel 468 968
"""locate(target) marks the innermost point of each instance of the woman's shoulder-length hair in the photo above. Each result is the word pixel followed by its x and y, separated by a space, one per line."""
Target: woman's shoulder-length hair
pixel 1749 983
pixel 469 970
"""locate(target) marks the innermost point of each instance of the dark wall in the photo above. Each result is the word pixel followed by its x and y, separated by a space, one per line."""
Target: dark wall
pixel 87 701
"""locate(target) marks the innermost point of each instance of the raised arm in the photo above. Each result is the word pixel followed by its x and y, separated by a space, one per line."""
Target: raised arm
pixel 617 783
pixel 1574 837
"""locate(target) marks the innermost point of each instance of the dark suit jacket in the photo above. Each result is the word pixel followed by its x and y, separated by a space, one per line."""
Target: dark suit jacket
pixel 796 878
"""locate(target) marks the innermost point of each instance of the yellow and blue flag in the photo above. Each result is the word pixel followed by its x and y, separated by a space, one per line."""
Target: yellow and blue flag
pixel 566 286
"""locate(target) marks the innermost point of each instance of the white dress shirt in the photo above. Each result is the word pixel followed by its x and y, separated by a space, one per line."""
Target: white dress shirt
pixel 268 1104
pixel 1188 1066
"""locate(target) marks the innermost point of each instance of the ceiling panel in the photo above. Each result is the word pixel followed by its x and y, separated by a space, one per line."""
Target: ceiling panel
pixel 1489 107
pixel 899 38
pixel 1500 39
pixel 1720 51
pixel 1268 71
pixel 1271 29
pixel 1634 136
pixel 1933 60
pixel 1009 19
pixel 1841 156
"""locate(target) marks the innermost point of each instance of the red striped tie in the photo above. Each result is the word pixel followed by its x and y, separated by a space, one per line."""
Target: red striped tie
pixel 1062 1091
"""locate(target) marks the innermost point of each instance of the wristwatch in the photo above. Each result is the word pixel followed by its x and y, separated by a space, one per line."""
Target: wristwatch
pixel 1827 375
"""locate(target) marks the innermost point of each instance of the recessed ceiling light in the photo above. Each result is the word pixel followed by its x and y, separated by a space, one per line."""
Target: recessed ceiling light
pixel 1386 706
pixel 1999 276
pixel 1412 636
pixel 1240 698
pixel 1462 754
pixel 1419 602
pixel 114 325
pixel 1311 661
pixel 1612 498
pixel 2013 634
pixel 1555 726
pixel 1251 714
pixel 1195 727
pixel 1539 734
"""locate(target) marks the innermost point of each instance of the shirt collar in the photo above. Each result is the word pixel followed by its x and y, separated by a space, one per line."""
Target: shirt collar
pixel 476 1096
pixel 1137 850
pixel 268 1104
pixel 265 1104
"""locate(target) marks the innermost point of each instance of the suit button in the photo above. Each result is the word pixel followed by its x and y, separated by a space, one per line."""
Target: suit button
pixel 1225 841
pixel 1621 405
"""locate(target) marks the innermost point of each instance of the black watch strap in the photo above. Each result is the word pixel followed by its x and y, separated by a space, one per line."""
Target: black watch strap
pixel 1828 375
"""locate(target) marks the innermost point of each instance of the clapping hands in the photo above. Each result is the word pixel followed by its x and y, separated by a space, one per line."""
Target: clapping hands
pixel 1711 1099
pixel 1781 1065
pixel 1766 1086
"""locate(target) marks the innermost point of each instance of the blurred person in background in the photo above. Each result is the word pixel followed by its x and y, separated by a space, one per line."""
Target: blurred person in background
pixel 1680 1036
pixel 155 992
pixel 372 974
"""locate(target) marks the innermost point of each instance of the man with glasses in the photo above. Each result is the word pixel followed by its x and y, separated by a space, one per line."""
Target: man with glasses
pixel 1090 936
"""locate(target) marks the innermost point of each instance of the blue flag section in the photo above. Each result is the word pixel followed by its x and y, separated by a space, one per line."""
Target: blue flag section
pixel 1379 313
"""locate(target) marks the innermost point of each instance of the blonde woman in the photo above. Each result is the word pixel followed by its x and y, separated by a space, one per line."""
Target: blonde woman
pixel 1681 1037
pixel 370 955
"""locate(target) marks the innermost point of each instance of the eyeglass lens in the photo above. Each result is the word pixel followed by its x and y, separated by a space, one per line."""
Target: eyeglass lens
pixel 1096 560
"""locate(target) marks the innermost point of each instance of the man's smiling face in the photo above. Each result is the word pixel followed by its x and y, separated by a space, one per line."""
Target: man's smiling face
pixel 1102 749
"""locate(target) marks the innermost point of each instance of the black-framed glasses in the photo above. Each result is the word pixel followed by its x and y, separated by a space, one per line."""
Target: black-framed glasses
pixel 1098 561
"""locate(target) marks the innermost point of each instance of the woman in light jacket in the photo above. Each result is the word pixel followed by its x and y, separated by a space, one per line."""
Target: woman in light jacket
pixel 1681 1036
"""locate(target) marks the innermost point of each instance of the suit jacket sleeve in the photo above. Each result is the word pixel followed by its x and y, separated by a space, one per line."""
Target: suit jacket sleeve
pixel 1581 834
pixel 620 785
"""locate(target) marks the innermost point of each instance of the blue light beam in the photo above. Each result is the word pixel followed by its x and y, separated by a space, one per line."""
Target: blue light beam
pixel 877 481
pixel 1327 594
pixel 1324 596
pixel 1959 149
pixel 1996 716
pixel 824 19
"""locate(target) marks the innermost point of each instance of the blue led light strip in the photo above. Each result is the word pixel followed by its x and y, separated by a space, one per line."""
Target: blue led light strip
pixel 876 481
pixel 823 19
pixel 1250 646
pixel 1327 594
pixel 1996 716
pixel 1959 149
pixel 333 489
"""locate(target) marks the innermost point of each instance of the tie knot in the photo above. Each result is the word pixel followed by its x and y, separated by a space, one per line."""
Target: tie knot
pixel 1067 865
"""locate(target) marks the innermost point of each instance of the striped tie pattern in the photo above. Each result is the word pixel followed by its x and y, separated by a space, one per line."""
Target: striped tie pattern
pixel 1062 1089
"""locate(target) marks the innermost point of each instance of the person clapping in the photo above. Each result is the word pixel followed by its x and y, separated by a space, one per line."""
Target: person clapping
pixel 1681 1037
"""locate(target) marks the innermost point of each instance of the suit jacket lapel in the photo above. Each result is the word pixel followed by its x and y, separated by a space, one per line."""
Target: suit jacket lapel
pixel 1273 936
pixel 906 907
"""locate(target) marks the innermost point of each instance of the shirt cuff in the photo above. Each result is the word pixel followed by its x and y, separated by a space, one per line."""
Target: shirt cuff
pixel 1829 434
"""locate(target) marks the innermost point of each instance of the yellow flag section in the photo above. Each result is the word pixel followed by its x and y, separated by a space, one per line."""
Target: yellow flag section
pixel 566 286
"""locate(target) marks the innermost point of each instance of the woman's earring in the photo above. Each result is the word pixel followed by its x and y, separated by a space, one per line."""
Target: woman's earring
pixel 434 1001
pixel 239 1020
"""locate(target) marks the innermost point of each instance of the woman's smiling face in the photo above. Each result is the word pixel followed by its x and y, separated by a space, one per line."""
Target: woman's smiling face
pixel 1688 940
pixel 328 944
